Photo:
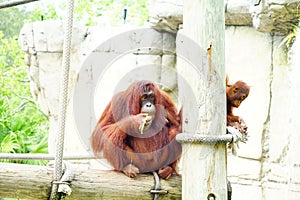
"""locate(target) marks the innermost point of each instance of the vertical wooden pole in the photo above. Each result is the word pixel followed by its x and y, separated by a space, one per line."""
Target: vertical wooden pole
pixel 204 173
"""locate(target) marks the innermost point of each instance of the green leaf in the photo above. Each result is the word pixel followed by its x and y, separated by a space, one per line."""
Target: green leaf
pixel 9 144
pixel 41 147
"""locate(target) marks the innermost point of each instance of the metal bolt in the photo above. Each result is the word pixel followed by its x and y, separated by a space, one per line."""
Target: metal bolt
pixel 186 121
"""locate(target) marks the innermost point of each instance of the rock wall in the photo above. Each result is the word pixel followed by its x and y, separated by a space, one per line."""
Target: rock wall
pixel 267 166
pixel 276 16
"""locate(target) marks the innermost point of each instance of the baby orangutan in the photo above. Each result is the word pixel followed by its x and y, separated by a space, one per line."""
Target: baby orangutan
pixel 235 94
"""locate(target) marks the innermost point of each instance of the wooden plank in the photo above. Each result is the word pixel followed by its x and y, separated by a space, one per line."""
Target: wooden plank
pixel 34 182
pixel 204 165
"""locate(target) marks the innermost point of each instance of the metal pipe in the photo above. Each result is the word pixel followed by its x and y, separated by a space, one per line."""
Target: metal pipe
pixel 7 4
pixel 23 156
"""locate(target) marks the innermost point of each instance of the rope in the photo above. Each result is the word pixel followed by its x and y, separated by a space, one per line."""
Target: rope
pixel 63 97
pixel 237 138
pixel 203 138
pixel 233 137
pixel 68 176
pixel 15 3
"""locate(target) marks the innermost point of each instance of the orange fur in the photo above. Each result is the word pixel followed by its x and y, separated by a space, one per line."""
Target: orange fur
pixel 117 133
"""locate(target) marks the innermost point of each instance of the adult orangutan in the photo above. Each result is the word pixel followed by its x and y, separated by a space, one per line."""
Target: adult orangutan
pixel 137 130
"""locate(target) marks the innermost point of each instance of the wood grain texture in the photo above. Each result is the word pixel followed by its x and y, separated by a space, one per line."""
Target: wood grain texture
pixel 204 166
pixel 34 182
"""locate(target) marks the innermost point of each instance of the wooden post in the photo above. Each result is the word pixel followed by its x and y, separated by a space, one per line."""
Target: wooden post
pixel 204 173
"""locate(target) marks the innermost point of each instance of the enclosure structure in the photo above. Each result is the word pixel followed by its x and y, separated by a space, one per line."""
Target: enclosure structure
pixel 267 166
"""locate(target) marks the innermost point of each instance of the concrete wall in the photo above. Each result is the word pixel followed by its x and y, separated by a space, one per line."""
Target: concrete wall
pixel 267 166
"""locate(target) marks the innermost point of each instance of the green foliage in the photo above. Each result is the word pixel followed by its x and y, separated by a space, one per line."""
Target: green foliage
pixel 10 21
pixel 23 128
pixel 43 11
pixel 137 12
pixel 110 12
pixel 89 12
pixel 290 38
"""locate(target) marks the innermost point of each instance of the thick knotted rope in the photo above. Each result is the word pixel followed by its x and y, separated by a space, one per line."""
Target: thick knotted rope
pixel 233 137
pixel 63 97
pixel 203 138
pixel 65 180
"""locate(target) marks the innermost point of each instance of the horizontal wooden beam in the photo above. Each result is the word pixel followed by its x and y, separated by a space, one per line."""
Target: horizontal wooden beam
pixel 34 182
